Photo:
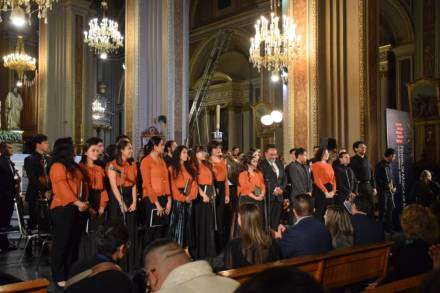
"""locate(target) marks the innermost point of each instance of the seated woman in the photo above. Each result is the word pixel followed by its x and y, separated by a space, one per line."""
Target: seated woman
pixel 411 256
pixel 426 191
pixel 339 225
pixel 254 245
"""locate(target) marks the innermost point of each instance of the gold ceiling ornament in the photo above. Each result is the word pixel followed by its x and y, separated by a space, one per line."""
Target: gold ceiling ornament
pixel 273 47
pixel 103 35
pixel 16 7
pixel 20 62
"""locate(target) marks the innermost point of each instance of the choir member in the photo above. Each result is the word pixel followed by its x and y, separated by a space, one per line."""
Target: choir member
pixel 276 181
pixel 222 191
pixel 363 171
pixel 346 184
pixel 95 177
pixel 184 190
pixel 68 201
pixel 156 193
pixel 256 153
pixel 170 146
pixel 251 187
pixel 324 182
pixel 298 175
pixel 122 174
pixel 204 206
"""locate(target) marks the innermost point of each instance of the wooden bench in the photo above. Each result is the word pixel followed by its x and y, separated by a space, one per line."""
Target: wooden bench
pixel 410 284
pixel 337 268
pixel 34 286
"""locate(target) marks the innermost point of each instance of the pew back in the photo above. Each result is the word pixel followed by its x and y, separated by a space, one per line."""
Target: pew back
pixel 34 286
pixel 407 285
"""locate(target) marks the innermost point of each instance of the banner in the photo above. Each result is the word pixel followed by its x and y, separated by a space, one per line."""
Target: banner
pixel 399 138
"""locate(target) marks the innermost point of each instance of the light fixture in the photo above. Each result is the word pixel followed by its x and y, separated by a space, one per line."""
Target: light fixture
pixel 19 83
pixel 42 6
pixel 276 116
pixel 18 18
pixel 266 120
pixel 273 47
pixel 103 35
pixel 275 77
pixel 20 61
pixel 98 108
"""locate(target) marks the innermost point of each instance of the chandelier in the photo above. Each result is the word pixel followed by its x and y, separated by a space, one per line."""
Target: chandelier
pixel 103 36
pixel 20 61
pixel 16 6
pixel 273 47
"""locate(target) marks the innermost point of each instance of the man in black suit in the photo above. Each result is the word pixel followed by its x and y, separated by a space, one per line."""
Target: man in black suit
pixel 276 181
pixel 363 171
pixel 366 229
pixel 346 183
pixel 298 175
pixel 307 236
pixel 8 185
pixel 37 167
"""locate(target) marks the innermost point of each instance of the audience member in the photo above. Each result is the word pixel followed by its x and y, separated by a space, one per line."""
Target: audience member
pixel 426 191
pixel 338 223
pixel 366 229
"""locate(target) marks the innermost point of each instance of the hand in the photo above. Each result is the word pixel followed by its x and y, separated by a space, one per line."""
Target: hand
pixel 92 213
pixel 309 193
pixel 123 207
pixel 205 198
pixel 82 206
pixel 393 190
pixel 327 194
pixel 227 199
pixel 132 207
pixel 188 199
pixel 48 194
pixel 260 197
pixel 101 211
pixel 168 207
pixel 160 209
pixel 279 233
pixel 374 191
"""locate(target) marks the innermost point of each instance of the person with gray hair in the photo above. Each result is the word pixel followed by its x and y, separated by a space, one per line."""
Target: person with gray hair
pixel 169 269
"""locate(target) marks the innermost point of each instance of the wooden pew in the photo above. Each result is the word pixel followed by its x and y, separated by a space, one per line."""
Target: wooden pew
pixel 337 268
pixel 34 286
pixel 407 285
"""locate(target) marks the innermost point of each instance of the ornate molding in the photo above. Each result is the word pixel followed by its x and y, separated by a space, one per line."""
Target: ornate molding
pixel 314 73
pixel 362 68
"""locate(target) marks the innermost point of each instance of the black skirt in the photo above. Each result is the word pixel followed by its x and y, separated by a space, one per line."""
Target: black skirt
pixel 204 223
pixel 95 201
pixel 181 224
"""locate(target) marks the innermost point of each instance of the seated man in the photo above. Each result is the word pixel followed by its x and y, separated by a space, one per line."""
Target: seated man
pixel 366 230
pixel 307 236
pixel 169 269
pixel 100 273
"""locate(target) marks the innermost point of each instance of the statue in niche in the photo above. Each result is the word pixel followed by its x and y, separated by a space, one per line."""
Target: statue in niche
pixel 13 107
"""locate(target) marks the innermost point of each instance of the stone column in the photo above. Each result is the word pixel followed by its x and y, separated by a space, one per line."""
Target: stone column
pixel 384 83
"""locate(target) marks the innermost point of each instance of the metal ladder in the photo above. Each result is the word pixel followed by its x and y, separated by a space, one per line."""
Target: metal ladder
pixel 220 46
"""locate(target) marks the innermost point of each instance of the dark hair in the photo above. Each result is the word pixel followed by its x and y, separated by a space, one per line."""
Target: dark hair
pixel 282 280
pixel 175 163
pixel 342 154
pixel 168 145
pixel 320 154
pixel 121 137
pixel 111 152
pixel 160 242
pixel 357 144
pixel 363 204
pixel 213 144
pixel 195 162
pixel 87 145
pixel 39 138
pixel 122 144
pixel 235 148
pixel 389 152
pixel 292 151
pixel 95 140
pixel 247 160
pixel 269 146
pixel 303 205
pixel 64 153
pixel 149 147
pixel 299 151
pixel 110 236
pixel 3 145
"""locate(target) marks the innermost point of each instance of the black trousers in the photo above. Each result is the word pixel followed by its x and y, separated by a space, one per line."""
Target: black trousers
pixel 68 227
pixel 222 232
pixel 321 202
pixel 39 216
pixel 153 233
pixel 386 210
pixel 6 210
pixel 276 207
pixel 365 189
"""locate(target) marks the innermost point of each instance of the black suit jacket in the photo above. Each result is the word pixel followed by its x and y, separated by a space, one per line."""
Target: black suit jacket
pixel 299 178
pixel 34 167
pixel 366 230
pixel 271 179
pixel 7 182
pixel 346 182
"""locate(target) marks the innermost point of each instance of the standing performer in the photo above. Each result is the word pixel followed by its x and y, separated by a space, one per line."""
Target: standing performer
pixel 184 190
pixel 363 171
pixel 156 193
pixel 299 176
pixel 221 189
pixel 69 199
pixel 95 176
pixel 346 183
pixel 170 146
pixel 204 206
pixel 122 174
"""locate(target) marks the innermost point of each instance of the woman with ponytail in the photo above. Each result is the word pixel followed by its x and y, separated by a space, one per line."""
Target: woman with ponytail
pixel 156 193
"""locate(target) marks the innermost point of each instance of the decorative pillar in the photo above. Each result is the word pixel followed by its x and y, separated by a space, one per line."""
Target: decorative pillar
pixel 384 93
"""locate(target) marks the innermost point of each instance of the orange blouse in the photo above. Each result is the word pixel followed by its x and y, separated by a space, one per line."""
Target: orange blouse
pixel 65 186
pixel 95 181
pixel 126 175
pixel 205 176
pixel 248 182
pixel 155 180
pixel 179 183
pixel 221 174
pixel 322 174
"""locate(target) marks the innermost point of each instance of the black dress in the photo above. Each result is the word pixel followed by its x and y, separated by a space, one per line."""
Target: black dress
pixel 205 227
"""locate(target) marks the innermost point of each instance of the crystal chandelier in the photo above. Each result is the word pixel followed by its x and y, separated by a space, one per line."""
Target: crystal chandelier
pixel 15 5
pixel 20 61
pixel 103 36
pixel 272 47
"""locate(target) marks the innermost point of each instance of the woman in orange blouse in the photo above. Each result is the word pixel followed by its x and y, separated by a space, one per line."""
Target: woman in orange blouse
pixel 221 185
pixel 184 190
pixel 204 206
pixel 122 174
pixel 95 176
pixel 324 182
pixel 155 186
pixel 69 199
pixel 251 187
